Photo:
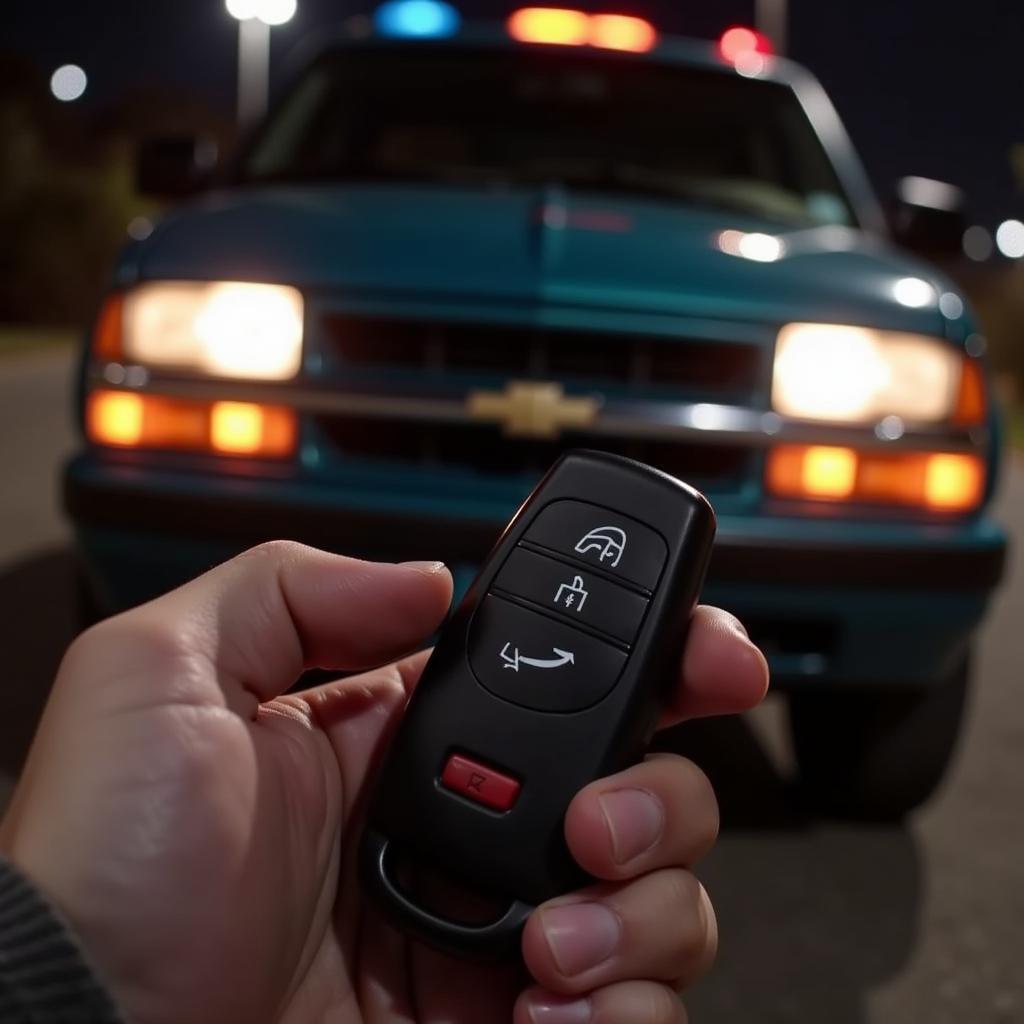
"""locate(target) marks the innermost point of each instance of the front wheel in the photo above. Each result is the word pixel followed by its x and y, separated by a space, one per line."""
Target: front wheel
pixel 875 756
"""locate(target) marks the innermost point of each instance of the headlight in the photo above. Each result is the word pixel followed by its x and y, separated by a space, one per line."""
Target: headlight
pixel 225 328
pixel 857 375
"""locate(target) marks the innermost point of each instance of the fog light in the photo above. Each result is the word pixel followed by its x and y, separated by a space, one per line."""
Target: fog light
pixel 127 420
pixel 829 472
pixel 953 481
pixel 236 427
pixel 116 418
pixel 941 481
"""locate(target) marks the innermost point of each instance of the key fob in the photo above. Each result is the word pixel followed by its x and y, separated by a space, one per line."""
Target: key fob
pixel 549 674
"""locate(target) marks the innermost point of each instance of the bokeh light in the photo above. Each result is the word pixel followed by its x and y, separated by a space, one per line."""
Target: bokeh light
pixel 622 32
pixel 68 82
pixel 951 306
pixel 1010 239
pixel 739 42
pixel 750 64
pixel 978 244
pixel 417 19
pixel 913 292
pixel 752 245
pixel 242 9
pixel 270 12
pixel 139 228
pixel 276 12
pixel 552 25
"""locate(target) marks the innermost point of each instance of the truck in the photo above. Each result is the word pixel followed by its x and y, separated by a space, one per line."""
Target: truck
pixel 453 250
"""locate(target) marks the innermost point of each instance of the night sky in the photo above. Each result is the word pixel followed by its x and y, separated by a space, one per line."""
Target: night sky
pixel 932 88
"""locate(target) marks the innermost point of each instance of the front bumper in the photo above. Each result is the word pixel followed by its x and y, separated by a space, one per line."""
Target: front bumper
pixel 847 603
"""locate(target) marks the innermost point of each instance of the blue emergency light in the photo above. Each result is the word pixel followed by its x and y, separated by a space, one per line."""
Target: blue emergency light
pixel 417 19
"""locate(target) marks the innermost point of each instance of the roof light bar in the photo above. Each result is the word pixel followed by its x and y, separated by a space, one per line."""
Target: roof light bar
pixel 553 25
pixel 622 32
pixel 562 26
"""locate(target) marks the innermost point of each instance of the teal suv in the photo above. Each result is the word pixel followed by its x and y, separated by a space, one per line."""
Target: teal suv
pixel 450 252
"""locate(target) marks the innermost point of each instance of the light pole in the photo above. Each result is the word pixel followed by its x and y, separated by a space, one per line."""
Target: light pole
pixel 772 19
pixel 255 18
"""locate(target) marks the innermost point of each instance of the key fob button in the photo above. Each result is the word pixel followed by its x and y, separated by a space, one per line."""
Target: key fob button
pixel 591 534
pixel 539 663
pixel 479 782
pixel 579 595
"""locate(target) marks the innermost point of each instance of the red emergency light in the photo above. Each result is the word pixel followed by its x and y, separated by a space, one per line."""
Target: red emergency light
pixel 739 43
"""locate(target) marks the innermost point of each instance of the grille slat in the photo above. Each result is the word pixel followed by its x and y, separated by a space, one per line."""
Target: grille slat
pixel 689 367
pixel 483 449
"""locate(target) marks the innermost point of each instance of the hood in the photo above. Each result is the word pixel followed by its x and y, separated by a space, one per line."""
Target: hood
pixel 541 246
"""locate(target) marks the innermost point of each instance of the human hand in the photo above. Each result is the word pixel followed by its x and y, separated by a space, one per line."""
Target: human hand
pixel 198 829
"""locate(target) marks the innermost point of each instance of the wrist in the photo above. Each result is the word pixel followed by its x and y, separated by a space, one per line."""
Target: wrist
pixel 44 971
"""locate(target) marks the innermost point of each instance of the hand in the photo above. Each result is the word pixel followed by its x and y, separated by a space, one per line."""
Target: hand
pixel 198 829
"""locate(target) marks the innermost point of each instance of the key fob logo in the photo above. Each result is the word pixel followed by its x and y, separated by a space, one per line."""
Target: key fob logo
pixel 608 541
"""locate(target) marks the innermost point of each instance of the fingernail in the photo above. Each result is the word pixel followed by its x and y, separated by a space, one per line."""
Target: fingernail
pixel 428 568
pixel 580 935
pixel 551 1010
pixel 635 820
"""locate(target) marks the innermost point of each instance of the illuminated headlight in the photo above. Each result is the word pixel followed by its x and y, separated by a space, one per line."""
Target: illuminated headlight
pixel 857 375
pixel 224 328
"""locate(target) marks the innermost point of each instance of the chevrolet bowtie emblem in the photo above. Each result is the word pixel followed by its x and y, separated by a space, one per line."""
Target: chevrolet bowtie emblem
pixel 532 409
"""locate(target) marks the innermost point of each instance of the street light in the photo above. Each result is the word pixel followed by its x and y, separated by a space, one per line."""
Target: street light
pixel 1010 239
pixel 772 18
pixel 68 82
pixel 255 18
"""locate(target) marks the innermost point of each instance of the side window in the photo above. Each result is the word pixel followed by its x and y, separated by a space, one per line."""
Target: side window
pixel 284 136
pixel 811 172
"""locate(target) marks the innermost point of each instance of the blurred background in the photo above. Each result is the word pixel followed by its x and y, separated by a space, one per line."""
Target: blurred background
pixel 821 921
pixel 927 89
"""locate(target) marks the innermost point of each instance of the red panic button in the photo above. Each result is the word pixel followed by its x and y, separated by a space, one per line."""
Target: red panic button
pixel 477 782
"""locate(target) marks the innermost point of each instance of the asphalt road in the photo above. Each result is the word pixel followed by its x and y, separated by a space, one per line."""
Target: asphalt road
pixel 821 923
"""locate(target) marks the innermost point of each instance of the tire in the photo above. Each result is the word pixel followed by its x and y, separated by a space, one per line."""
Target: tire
pixel 876 756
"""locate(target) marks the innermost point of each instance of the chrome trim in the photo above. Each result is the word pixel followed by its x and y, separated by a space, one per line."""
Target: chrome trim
pixel 708 422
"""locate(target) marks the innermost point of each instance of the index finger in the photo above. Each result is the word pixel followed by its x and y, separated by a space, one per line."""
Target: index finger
pixel 243 633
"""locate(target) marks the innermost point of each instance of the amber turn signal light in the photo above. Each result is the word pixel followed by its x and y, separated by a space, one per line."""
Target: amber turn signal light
pixel 940 481
pixel 971 403
pixel 123 419
pixel 107 336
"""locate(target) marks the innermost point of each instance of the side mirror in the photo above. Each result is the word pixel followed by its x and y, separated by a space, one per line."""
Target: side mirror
pixel 176 166
pixel 929 217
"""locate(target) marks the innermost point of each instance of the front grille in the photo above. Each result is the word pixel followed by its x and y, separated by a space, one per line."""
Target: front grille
pixel 637 363
pixel 484 450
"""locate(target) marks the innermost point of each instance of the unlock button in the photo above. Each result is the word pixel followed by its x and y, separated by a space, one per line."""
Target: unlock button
pixel 572 592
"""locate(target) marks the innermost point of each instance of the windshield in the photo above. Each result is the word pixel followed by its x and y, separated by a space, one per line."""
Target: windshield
pixel 503 119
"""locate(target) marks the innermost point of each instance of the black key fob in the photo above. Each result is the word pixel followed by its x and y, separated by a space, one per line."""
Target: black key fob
pixel 550 674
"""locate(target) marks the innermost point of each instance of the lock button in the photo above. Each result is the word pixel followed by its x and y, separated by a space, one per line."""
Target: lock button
pixel 622 547
pixel 572 592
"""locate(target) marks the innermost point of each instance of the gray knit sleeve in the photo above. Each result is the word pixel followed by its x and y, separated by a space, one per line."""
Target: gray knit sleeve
pixel 45 977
